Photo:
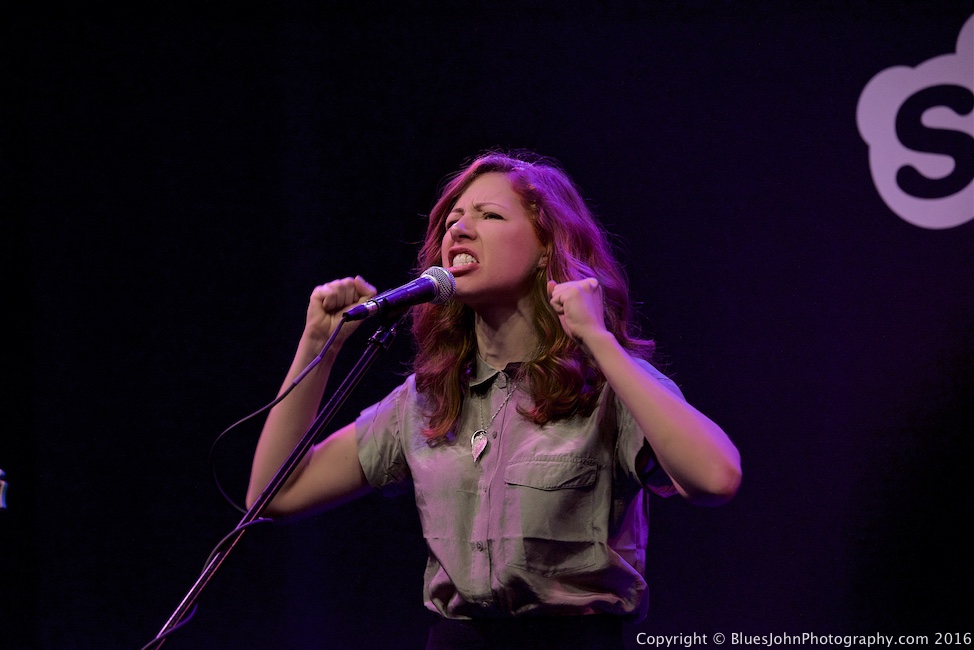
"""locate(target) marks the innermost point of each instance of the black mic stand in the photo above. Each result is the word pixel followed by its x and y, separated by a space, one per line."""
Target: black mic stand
pixel 380 340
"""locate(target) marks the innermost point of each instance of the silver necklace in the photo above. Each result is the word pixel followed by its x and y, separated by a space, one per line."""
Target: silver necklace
pixel 478 441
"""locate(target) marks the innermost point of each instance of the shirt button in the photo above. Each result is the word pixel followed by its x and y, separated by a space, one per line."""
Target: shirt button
pixel 493 434
pixel 502 380
pixel 480 546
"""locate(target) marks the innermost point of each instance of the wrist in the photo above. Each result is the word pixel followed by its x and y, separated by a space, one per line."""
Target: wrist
pixel 599 342
pixel 311 346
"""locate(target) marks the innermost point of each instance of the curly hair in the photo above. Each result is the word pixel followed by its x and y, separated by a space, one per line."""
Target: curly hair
pixel 560 377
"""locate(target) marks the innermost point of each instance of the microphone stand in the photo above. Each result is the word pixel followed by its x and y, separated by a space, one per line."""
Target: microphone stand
pixel 380 340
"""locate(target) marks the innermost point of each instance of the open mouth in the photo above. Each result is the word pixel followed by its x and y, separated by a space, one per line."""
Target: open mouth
pixel 463 259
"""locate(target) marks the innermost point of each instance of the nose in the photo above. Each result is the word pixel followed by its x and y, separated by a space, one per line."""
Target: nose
pixel 460 229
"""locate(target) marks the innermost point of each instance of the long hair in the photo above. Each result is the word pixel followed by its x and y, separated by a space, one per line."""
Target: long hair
pixel 560 378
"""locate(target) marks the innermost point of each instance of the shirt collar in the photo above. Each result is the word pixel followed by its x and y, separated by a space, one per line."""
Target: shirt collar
pixel 484 372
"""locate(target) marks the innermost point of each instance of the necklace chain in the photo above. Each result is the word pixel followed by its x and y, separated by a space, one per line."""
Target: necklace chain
pixel 483 426
pixel 478 441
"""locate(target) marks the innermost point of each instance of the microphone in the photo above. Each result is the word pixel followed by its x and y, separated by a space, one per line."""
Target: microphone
pixel 435 285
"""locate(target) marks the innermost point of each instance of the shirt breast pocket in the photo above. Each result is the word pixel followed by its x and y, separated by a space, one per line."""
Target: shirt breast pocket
pixel 549 511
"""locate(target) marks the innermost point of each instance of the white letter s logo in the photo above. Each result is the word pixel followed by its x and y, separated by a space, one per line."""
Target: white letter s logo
pixel 919 125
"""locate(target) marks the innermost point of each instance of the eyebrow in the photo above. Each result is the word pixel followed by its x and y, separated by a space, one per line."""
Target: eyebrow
pixel 479 207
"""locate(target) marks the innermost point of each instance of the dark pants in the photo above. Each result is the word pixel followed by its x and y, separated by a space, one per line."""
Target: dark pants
pixel 593 632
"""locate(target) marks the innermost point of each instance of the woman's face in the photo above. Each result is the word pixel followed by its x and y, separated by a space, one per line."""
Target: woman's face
pixel 490 244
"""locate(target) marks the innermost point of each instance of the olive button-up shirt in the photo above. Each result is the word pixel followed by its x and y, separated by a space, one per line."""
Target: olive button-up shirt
pixel 521 519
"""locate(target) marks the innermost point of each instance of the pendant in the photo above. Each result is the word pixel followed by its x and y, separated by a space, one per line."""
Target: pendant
pixel 478 444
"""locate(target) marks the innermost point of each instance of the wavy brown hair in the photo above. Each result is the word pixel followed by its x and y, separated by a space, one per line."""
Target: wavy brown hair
pixel 560 377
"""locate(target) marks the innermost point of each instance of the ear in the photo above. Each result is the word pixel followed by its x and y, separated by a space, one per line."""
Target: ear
pixel 543 262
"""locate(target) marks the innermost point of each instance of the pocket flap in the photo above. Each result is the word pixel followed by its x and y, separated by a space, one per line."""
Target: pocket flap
pixel 552 472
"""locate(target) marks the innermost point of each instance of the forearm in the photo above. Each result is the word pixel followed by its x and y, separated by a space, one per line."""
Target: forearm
pixel 289 420
pixel 695 452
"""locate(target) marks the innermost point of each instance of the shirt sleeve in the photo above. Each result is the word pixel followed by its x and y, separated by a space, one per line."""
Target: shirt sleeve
pixel 634 453
pixel 379 435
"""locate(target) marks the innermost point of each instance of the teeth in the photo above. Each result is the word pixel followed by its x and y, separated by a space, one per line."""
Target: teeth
pixel 463 259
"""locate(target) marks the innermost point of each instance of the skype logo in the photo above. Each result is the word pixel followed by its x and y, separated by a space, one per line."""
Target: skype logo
pixel 919 125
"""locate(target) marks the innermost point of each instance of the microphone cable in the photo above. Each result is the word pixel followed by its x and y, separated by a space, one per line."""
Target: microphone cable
pixel 213 447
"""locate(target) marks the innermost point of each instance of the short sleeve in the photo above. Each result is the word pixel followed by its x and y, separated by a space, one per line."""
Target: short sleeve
pixel 634 453
pixel 379 433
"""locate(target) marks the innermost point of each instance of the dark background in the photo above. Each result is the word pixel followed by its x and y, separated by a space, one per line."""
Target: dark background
pixel 175 182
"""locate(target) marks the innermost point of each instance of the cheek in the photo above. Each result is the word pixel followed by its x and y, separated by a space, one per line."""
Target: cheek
pixel 523 249
pixel 445 244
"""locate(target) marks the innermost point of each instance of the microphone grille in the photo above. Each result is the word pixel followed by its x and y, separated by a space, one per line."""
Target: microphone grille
pixel 446 284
